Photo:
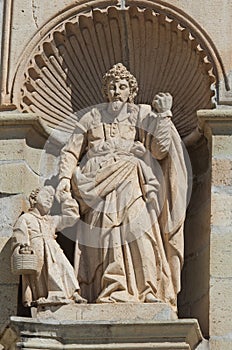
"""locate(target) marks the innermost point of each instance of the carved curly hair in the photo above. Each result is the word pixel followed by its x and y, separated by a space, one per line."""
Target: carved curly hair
pixel 117 72
pixel 34 194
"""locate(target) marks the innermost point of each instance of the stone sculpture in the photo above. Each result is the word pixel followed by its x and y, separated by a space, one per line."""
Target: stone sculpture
pixel 124 164
pixel 54 281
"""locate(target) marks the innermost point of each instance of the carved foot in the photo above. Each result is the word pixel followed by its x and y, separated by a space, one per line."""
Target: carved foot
pixel 150 298
pixel 106 300
pixel 54 300
pixel 78 299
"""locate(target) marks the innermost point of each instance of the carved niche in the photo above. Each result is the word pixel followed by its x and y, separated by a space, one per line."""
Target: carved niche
pixel 61 73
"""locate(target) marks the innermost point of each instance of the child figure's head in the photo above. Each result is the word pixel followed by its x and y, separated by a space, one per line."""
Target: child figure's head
pixel 42 199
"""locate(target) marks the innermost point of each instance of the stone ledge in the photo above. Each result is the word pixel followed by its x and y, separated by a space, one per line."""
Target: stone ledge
pixel 219 120
pixel 24 119
pixel 26 126
pixel 53 334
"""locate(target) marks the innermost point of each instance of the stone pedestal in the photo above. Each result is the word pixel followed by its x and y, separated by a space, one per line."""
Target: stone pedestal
pixel 116 312
pixel 115 326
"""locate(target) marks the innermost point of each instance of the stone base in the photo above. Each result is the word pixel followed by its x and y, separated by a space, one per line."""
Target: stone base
pixel 103 327
pixel 107 312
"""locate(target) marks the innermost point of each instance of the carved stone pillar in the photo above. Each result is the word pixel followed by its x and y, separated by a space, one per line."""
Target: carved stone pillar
pixel 218 130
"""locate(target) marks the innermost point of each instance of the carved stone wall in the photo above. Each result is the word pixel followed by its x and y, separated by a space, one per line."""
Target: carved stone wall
pixel 218 130
pixel 22 140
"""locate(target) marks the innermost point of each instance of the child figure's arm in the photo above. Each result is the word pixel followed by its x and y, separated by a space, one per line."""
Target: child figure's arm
pixel 69 212
pixel 20 237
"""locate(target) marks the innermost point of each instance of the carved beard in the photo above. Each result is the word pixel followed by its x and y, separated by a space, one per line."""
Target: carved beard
pixel 116 105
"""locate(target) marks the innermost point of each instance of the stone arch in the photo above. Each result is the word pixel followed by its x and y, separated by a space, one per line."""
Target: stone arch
pixel 61 72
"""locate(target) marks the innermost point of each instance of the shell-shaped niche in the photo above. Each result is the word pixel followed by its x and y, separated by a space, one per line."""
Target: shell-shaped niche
pixel 64 71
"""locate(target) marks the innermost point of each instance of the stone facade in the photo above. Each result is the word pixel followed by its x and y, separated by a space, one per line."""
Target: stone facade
pixel 196 57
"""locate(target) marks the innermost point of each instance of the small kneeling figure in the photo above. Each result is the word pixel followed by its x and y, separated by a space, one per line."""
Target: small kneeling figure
pixel 54 281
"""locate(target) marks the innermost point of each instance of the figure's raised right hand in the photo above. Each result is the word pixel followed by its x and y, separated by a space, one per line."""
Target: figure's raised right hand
pixel 162 102
pixel 64 186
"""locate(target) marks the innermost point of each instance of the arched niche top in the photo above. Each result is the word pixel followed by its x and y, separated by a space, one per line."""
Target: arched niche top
pixel 62 73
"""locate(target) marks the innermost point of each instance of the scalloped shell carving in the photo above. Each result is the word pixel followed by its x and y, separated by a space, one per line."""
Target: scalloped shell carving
pixel 64 72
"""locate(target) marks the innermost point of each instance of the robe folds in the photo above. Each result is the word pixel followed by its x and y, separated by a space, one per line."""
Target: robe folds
pixel 55 276
pixel 130 179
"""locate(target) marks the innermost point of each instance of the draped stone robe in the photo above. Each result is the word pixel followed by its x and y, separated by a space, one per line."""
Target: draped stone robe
pixel 129 176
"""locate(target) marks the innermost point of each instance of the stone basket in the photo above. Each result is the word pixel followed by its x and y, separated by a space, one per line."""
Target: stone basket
pixel 24 264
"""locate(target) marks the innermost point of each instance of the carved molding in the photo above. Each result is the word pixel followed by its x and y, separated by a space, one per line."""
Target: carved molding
pixel 62 74
pixel 31 333
pixel 215 122
pixel 6 37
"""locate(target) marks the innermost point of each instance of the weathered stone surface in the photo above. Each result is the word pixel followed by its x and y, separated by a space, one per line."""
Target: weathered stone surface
pixel 25 151
pixel 15 150
pixel 220 306
pixel 221 146
pixel 9 303
pixel 11 206
pixel 6 277
pixel 221 251
pixel 221 206
pixel 32 161
pixel 108 312
pixel 222 171
pixel 169 335
pixel 22 183
pixel 219 343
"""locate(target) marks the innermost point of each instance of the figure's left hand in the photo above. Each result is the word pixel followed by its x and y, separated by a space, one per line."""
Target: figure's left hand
pixel 138 149
pixel 162 102
pixel 25 249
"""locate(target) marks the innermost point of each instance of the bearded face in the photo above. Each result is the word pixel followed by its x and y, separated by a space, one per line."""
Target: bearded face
pixel 118 93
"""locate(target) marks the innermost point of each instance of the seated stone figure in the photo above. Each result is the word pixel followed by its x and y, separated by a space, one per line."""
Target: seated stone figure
pixel 54 281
